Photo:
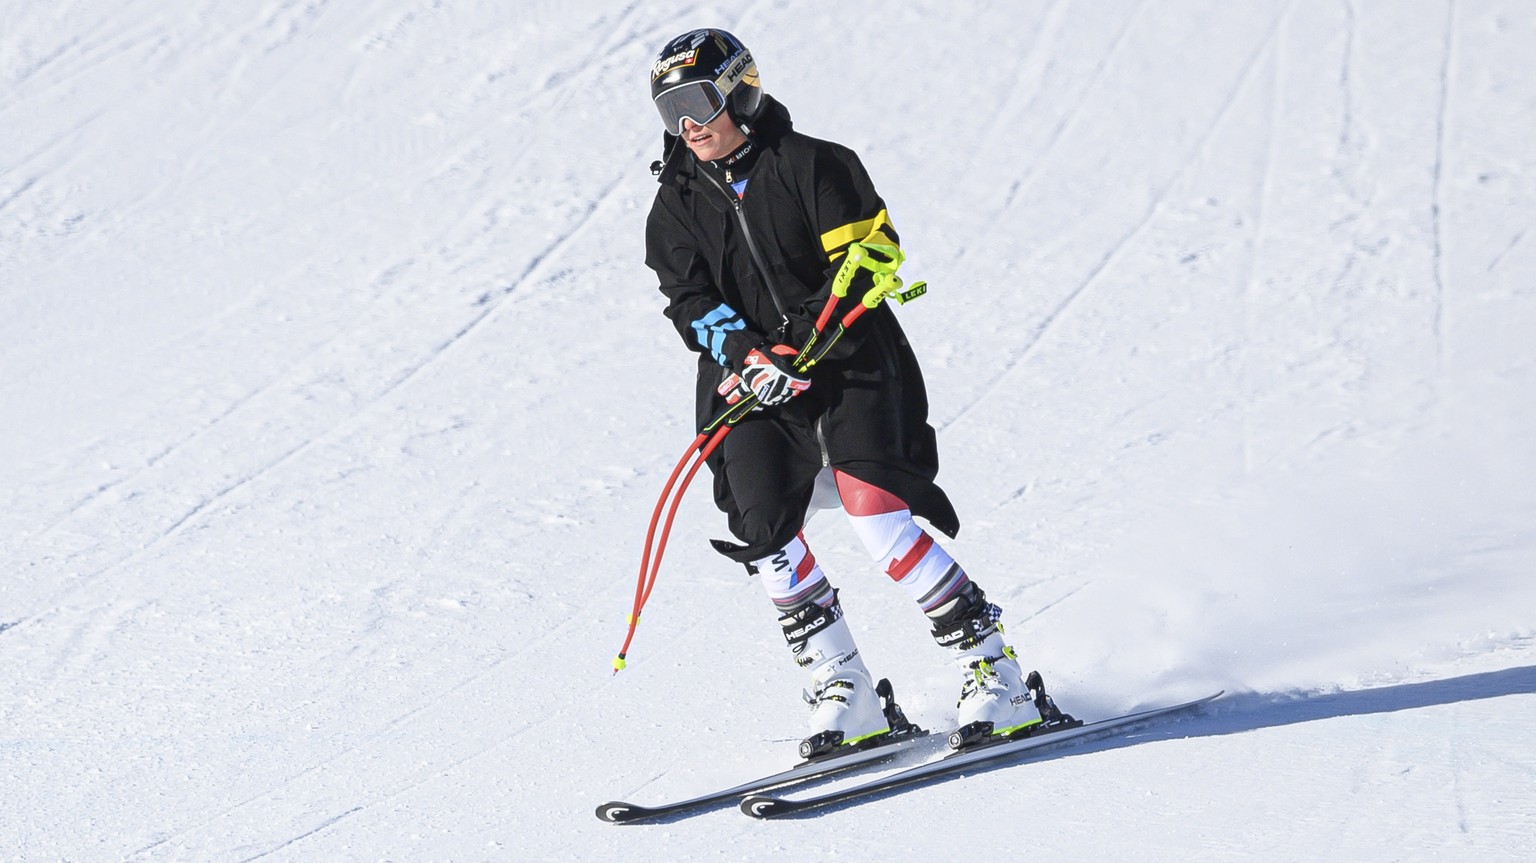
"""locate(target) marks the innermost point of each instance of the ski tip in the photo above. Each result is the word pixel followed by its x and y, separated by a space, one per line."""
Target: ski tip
pixel 763 806
pixel 618 812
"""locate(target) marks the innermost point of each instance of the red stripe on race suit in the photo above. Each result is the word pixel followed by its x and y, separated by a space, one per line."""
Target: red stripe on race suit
pixel 806 564
pixel 904 564
pixel 861 498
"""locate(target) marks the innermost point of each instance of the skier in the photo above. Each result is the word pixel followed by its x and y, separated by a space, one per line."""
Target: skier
pixel 749 225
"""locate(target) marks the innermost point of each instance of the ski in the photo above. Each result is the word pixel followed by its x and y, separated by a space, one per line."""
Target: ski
pixel 619 812
pixel 767 806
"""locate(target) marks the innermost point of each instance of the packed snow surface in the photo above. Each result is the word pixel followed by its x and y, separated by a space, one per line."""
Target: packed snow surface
pixel 336 398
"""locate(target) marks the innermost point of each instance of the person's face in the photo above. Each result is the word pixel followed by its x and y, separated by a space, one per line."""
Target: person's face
pixel 716 140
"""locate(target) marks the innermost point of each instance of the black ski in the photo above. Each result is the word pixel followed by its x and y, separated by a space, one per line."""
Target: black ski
pixel 766 806
pixel 824 755
pixel 619 812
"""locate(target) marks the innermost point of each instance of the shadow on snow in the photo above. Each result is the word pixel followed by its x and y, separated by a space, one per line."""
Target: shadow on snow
pixel 1237 714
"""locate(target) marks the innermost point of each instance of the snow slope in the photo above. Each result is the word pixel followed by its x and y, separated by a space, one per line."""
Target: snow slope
pixel 325 477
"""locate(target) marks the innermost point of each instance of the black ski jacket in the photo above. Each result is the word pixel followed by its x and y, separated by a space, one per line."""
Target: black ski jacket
pixel 739 271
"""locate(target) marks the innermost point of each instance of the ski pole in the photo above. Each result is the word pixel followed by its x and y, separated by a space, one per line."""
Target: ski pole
pixel 886 284
pixel 882 264
pixel 645 580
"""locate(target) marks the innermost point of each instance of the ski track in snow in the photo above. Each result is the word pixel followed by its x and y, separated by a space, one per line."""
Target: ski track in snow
pixel 1442 110
pixel 482 311
pixel 1064 126
pixel 494 680
pixel 1038 332
pixel 487 307
pixel 1257 245
pixel 89 50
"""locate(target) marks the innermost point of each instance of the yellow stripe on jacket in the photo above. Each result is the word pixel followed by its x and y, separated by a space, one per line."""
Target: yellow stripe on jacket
pixel 835 242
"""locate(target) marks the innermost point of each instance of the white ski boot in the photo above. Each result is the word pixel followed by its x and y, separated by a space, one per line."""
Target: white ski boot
pixel 995 697
pixel 847 708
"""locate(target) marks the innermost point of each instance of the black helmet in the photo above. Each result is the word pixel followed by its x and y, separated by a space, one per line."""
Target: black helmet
pixel 702 72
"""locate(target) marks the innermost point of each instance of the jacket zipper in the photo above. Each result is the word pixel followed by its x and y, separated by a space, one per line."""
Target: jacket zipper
pixel 757 258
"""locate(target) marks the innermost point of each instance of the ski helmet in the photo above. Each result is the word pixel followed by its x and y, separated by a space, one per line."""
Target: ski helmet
pixel 701 73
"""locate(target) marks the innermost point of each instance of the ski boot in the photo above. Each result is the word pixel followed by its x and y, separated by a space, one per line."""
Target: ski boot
pixel 848 709
pixel 996 701
pixel 979 733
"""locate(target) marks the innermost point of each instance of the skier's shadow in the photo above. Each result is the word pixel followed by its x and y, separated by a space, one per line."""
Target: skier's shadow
pixel 1235 714
pixel 1254 711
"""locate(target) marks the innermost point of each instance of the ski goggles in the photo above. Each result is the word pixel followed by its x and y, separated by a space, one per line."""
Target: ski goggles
pixel 699 101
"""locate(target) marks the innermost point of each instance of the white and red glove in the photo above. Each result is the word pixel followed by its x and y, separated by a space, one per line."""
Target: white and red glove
pixel 770 376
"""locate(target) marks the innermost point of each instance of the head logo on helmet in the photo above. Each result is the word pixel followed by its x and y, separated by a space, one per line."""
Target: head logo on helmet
pixel 701 73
